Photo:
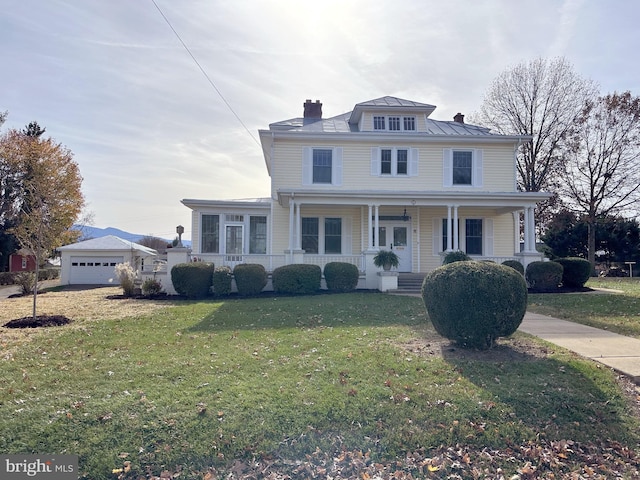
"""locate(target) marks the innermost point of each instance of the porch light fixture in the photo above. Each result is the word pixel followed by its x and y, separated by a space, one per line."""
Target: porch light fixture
pixel 404 216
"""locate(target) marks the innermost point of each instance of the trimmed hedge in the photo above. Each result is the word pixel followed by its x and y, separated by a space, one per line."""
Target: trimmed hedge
pixel 576 271
pixel 456 256
pixel 473 303
pixel 341 276
pixel 192 279
pixel 544 276
pixel 251 278
pixel 222 280
pixel 516 265
pixel 300 279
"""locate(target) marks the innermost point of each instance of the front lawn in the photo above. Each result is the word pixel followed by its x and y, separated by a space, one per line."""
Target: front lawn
pixel 616 312
pixel 349 385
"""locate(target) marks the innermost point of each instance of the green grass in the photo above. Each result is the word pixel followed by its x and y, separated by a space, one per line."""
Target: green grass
pixel 203 383
pixel 616 312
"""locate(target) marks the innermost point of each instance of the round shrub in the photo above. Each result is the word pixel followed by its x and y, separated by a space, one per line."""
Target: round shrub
pixel 250 278
pixel 341 276
pixel 473 303
pixel 544 276
pixel 516 265
pixel 222 280
pixel 151 287
pixel 456 256
pixel 193 279
pixel 297 279
pixel 576 271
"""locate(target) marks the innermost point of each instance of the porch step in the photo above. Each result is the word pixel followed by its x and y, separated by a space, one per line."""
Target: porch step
pixel 410 282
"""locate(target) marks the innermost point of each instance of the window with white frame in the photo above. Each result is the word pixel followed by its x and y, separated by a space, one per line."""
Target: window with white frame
pixel 394 161
pixel 210 234
pixel 462 167
pixel 394 123
pixel 325 235
pixel 379 123
pixel 322 166
pixel 475 236
pixel 409 123
pixel 258 234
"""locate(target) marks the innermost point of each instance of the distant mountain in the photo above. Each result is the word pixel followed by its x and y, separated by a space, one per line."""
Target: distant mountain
pixel 95 232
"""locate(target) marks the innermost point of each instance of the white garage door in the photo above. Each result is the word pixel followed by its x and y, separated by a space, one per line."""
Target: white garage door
pixel 93 270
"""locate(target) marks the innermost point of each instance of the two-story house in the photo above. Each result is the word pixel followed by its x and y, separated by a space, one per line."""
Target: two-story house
pixel 383 176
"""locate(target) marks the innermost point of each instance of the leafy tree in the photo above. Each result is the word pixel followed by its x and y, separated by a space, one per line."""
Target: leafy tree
pixel 601 169
pixel 41 195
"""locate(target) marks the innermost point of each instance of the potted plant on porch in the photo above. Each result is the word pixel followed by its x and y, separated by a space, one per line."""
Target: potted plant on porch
pixel 386 259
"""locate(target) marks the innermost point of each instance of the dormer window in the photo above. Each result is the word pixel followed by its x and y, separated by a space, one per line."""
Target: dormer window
pixel 379 123
pixel 394 123
pixel 410 123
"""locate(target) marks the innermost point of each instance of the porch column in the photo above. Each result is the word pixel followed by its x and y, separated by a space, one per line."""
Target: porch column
pixel 532 228
pixel 370 227
pixel 449 229
pixel 377 226
pixel 516 232
pixel 298 232
pixel 456 240
pixel 291 236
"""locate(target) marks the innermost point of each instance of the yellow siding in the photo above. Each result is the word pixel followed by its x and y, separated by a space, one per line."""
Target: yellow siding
pixel 498 167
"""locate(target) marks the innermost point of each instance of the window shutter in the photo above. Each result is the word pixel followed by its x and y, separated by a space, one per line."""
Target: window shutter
pixel 436 235
pixel 413 162
pixel 477 167
pixel 336 166
pixel 307 166
pixel 487 228
pixel 447 167
pixel 375 161
pixel 347 235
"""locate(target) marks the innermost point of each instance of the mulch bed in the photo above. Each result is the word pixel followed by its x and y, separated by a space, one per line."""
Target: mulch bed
pixel 38 321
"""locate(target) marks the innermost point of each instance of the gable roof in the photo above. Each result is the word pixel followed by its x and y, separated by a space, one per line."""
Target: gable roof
pixel 111 243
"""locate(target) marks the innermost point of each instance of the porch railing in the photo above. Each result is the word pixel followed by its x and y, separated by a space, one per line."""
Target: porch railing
pixel 269 262
pixel 322 260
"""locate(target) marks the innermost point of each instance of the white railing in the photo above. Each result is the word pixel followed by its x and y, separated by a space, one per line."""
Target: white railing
pixel 269 262
pixel 495 259
pixel 322 260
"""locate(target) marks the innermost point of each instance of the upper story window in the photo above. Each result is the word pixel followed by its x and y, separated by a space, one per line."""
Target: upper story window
pixel 322 166
pixel 462 167
pixel 379 123
pixel 394 123
pixel 396 161
pixel 409 123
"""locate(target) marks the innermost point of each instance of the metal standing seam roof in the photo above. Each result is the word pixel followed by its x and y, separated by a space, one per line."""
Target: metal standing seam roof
pixel 108 243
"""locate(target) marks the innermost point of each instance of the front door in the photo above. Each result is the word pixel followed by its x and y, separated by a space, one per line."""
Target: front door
pixel 397 237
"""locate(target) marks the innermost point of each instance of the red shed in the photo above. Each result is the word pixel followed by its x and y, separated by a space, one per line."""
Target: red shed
pixel 22 261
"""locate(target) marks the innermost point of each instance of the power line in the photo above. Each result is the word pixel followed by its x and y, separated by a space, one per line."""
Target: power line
pixel 205 73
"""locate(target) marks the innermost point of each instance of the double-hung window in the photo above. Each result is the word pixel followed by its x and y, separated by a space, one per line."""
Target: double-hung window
pixel 210 234
pixel 322 235
pixel 462 167
pixel 322 163
pixel 394 161
pixel 322 166
pixel 258 234
pixel 473 236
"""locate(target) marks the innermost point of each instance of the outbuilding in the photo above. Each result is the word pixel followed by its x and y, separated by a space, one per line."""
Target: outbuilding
pixel 93 262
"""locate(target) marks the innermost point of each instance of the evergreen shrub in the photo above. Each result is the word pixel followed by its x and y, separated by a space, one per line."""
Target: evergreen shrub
pixel 299 279
pixel 341 276
pixel 473 303
pixel 192 279
pixel 222 280
pixel 576 271
pixel 515 264
pixel 251 278
pixel 544 276
pixel 456 256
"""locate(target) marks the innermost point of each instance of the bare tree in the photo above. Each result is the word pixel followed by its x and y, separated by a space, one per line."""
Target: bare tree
pixel 601 170
pixel 540 98
pixel 156 243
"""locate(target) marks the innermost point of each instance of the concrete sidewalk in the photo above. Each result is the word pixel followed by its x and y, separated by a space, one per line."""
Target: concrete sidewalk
pixel 616 351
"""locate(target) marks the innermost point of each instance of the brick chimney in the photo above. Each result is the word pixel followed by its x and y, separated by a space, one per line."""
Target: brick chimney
pixel 312 110
pixel 458 118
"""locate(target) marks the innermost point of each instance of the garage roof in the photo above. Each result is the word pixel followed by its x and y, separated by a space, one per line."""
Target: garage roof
pixel 109 243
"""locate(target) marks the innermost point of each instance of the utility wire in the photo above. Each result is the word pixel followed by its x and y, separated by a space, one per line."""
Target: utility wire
pixel 204 72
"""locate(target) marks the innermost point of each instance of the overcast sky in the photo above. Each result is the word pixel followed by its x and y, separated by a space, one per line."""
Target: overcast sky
pixel 110 80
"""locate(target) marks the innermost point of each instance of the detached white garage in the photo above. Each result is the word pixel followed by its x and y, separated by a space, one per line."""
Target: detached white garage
pixel 93 262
